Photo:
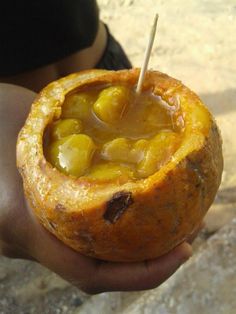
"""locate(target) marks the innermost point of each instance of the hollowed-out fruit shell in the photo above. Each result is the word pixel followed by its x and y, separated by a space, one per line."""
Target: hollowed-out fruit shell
pixel 131 221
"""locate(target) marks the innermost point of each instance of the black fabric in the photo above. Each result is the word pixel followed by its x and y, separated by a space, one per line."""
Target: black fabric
pixel 114 57
pixel 34 33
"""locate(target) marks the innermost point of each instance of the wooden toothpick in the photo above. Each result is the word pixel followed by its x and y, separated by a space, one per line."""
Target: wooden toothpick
pixel 147 55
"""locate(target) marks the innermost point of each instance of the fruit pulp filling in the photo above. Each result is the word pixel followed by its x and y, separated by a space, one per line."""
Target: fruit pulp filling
pixel 111 132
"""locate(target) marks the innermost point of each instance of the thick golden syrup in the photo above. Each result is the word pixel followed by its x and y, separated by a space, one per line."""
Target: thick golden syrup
pixel 144 116
pixel 132 135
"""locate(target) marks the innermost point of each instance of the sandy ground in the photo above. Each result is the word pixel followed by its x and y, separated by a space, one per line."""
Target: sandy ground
pixel 195 43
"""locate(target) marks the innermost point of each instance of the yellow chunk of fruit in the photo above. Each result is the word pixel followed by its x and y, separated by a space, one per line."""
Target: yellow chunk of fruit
pixel 127 146
pixel 159 151
pixel 116 150
pixel 66 127
pixel 123 150
pixel 72 154
pixel 79 105
pixel 110 171
pixel 138 150
pixel 111 103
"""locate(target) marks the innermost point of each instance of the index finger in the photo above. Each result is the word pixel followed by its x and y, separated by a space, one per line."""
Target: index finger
pixel 142 275
pixel 95 276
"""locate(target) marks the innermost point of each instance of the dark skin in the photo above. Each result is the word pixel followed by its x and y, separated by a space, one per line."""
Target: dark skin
pixel 21 235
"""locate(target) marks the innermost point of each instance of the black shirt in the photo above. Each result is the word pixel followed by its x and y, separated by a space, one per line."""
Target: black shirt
pixel 34 33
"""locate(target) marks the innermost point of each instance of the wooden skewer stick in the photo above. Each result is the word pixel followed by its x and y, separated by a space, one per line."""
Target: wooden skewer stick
pixel 147 55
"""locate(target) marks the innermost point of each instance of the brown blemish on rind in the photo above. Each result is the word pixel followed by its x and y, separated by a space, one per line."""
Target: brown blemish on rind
pixel 116 206
pixel 52 225
pixel 196 168
pixel 42 164
pixel 60 207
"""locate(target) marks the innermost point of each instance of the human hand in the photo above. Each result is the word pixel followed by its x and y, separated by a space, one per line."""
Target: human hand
pixel 22 236
pixel 90 275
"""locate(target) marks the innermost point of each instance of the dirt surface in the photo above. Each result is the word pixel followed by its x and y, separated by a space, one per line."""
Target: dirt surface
pixel 195 43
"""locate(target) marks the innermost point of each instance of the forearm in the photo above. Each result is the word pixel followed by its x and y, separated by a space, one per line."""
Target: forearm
pixel 14 105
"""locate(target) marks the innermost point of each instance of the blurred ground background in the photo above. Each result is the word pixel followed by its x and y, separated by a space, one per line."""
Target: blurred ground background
pixel 196 43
